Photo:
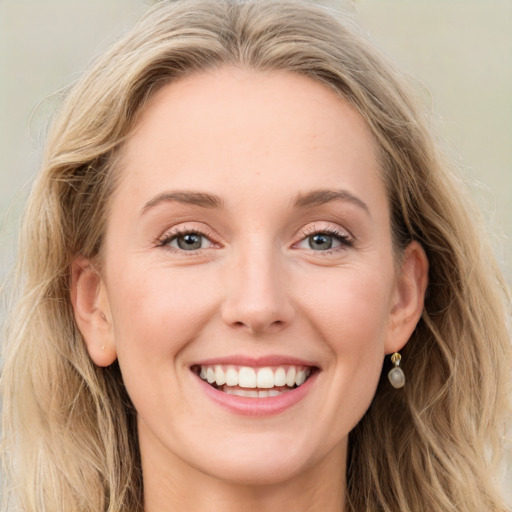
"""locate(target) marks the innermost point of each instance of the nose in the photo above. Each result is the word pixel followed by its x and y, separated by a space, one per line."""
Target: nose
pixel 258 298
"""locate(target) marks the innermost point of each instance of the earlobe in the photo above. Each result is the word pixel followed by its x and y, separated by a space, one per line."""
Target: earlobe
pixel 92 312
pixel 409 297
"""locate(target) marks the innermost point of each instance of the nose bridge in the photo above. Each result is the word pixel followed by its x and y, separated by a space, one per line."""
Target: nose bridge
pixel 257 299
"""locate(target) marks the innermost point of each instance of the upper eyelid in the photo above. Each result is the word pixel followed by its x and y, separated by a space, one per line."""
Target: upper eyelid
pixel 314 229
pixel 327 227
pixel 184 228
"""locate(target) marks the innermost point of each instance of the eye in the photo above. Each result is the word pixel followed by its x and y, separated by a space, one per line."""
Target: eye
pixel 325 240
pixel 186 241
pixel 322 242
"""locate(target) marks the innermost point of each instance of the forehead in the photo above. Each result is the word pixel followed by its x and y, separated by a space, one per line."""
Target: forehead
pixel 225 127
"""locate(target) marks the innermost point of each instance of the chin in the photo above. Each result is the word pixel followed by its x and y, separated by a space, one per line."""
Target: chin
pixel 273 461
pixel 258 471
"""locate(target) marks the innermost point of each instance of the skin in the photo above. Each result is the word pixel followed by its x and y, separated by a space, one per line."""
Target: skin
pixel 257 287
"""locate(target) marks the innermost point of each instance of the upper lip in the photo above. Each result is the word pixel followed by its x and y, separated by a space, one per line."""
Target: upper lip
pixel 256 362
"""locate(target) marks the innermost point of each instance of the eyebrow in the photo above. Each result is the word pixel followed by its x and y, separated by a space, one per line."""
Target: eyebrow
pixel 186 197
pixel 205 200
pixel 321 197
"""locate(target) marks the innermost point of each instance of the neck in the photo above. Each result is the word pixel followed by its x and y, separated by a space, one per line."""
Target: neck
pixel 171 484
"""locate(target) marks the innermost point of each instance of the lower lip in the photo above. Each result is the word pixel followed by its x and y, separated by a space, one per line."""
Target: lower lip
pixel 260 406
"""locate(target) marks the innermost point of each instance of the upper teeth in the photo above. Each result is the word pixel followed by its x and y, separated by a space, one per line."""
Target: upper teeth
pixel 248 377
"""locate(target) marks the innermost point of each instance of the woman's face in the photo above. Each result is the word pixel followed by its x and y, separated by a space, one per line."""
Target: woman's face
pixel 249 241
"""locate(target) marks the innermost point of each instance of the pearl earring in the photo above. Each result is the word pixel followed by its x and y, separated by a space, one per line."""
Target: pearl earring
pixel 396 376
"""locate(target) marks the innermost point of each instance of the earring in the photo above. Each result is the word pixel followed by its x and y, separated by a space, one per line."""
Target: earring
pixel 396 376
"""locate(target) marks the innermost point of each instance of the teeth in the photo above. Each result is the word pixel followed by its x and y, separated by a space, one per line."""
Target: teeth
pixel 231 377
pixel 262 380
pixel 210 375
pixel 253 393
pixel 265 378
pixel 280 377
pixel 246 377
pixel 300 378
pixel 220 376
pixel 290 377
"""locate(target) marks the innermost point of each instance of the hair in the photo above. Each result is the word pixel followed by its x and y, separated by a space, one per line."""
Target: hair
pixel 69 433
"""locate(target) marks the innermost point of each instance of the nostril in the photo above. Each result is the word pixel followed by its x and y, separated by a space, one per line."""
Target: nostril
pixel 259 326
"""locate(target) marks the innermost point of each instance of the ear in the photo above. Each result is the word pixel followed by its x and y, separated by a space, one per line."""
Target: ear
pixel 92 311
pixel 408 299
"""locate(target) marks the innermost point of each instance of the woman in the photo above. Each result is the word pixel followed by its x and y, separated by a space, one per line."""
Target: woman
pixel 225 257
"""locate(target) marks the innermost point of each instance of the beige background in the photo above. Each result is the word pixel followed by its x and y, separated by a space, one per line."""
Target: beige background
pixel 461 51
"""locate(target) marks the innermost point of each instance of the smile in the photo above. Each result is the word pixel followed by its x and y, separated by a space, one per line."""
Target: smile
pixel 247 381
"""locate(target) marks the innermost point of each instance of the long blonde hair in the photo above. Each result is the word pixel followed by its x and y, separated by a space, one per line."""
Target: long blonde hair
pixel 69 435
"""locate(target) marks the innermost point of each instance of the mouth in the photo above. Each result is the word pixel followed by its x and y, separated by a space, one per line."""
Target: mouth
pixel 254 382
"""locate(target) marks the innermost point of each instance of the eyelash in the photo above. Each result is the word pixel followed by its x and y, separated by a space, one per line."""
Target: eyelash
pixel 182 231
pixel 346 241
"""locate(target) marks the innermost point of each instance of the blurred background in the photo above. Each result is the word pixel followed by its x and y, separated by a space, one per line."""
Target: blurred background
pixel 460 51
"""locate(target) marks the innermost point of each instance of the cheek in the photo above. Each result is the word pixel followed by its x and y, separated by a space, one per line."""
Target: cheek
pixel 157 313
pixel 350 311
pixel 156 316
pixel 349 300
